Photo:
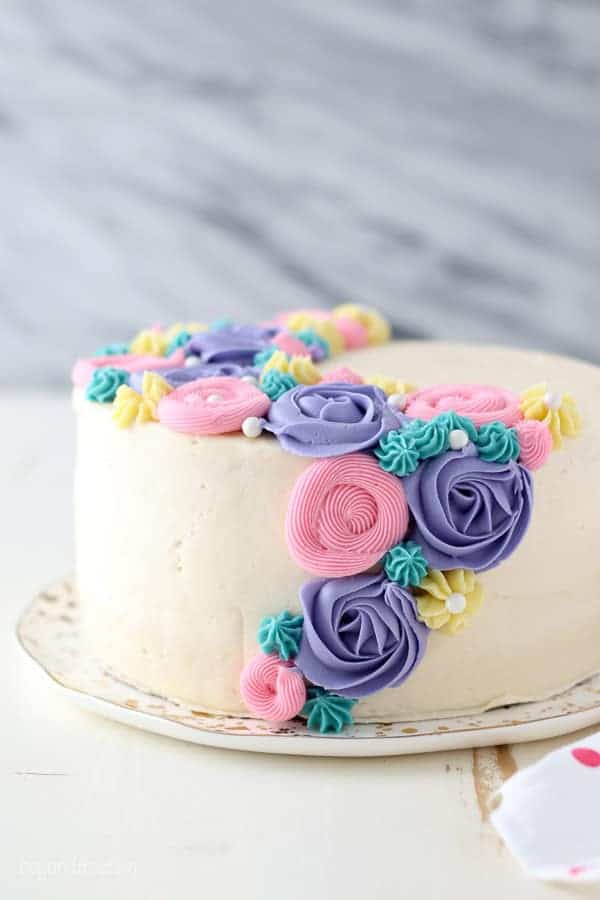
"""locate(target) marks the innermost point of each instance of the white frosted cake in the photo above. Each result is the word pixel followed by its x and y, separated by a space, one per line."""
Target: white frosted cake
pixel 260 537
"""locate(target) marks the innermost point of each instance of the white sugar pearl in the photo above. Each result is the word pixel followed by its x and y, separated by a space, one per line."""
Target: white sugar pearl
pixel 458 439
pixel 249 379
pixel 551 400
pixel 192 361
pixel 456 603
pixel 397 401
pixel 214 398
pixel 252 427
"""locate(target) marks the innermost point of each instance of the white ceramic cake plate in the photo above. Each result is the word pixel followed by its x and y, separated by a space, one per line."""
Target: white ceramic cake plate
pixel 49 633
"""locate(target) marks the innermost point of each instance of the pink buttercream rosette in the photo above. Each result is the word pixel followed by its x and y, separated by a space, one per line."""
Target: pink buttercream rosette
pixel 83 369
pixel 290 344
pixel 212 406
pixel 344 375
pixel 482 403
pixel 535 443
pixel 271 688
pixel 344 514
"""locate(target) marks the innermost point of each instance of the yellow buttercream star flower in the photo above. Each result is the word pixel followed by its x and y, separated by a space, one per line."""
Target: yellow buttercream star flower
pixel 149 342
pixel 390 385
pixel 558 411
pixel 446 600
pixel 299 367
pixel 130 407
pixel 378 328
pixel 126 406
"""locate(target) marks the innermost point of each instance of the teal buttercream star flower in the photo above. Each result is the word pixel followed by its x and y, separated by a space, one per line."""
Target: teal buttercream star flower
pixel 327 712
pixel 274 383
pixel 405 564
pixel 497 443
pixel 281 634
pixel 430 438
pixel 105 383
pixel 218 324
pixel 180 340
pixel 312 339
pixel 453 422
pixel 112 350
pixel 263 356
pixel 397 453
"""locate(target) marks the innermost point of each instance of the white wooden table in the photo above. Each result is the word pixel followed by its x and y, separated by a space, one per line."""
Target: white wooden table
pixel 93 809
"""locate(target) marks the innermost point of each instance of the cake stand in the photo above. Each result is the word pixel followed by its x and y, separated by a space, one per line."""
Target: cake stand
pixel 49 633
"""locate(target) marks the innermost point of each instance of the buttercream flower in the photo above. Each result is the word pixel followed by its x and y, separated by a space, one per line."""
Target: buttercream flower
pixel 280 634
pixel 150 341
pixel 299 367
pixel 497 443
pixel 290 344
pixel 212 406
pixel 389 385
pixel 115 349
pixel 479 402
pixel 235 343
pixel 331 419
pixel 183 374
pixel 557 411
pixel 354 333
pixel 272 689
pixel 275 384
pixel 314 342
pixel 447 600
pixel 397 453
pixel 378 329
pixel 182 338
pixel 343 514
pixel 535 443
pixel 324 327
pixel 131 406
pixel 105 383
pixel 405 564
pixel 343 375
pixel 361 634
pixel 468 513
pixel 326 712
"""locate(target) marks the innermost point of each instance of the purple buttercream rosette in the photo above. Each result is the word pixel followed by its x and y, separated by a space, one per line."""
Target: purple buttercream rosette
pixel 181 375
pixel 468 513
pixel 331 419
pixel 232 343
pixel 360 634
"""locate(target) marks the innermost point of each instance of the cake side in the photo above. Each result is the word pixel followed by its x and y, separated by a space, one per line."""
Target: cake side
pixel 181 552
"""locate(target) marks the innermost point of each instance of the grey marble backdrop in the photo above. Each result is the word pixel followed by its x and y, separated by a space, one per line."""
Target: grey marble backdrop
pixel 439 160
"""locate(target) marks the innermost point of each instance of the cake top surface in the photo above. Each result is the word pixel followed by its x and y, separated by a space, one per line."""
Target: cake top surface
pixel 410 493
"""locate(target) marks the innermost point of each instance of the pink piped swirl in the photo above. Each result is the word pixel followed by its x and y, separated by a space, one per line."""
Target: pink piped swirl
pixel 212 406
pixel 482 403
pixel 290 344
pixel 346 376
pixel 83 369
pixel 535 443
pixel 271 688
pixel 355 335
pixel 344 514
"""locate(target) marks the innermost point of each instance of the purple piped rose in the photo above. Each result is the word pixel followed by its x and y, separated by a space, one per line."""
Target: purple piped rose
pixel 231 344
pixel 331 419
pixel 468 513
pixel 360 634
pixel 183 374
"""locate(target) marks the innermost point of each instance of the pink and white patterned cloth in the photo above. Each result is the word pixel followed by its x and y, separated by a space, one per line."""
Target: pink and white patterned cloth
pixel 548 814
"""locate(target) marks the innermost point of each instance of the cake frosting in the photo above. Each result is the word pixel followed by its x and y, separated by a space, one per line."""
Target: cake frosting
pixel 257 537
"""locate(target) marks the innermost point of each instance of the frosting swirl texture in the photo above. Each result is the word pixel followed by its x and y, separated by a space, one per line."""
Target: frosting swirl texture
pixel 468 513
pixel 344 513
pixel 482 403
pixel 330 419
pixel 361 634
